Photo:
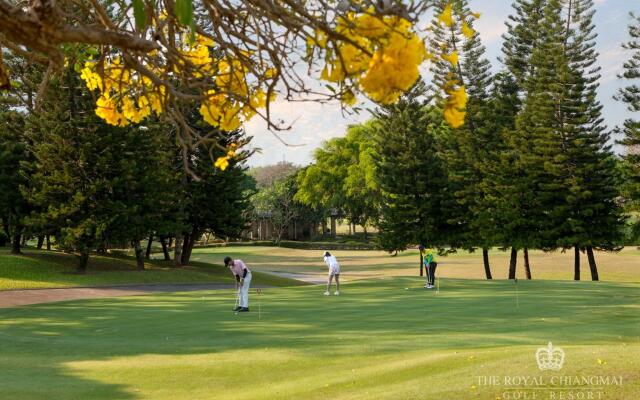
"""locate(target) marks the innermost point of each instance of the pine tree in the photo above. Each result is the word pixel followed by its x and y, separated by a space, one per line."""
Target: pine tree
pixel 590 164
pixel 630 95
pixel 95 183
pixel 521 39
pixel 534 201
pixel 411 175
pixel 13 152
pixel 467 150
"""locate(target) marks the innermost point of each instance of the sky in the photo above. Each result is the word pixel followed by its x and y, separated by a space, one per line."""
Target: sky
pixel 312 123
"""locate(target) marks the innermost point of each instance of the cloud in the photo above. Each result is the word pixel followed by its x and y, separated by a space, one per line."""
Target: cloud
pixel 310 124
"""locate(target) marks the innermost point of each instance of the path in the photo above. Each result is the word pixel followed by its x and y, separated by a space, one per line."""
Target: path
pixel 15 298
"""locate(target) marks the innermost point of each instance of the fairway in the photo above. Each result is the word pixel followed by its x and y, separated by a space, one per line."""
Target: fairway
pixel 378 340
pixel 365 264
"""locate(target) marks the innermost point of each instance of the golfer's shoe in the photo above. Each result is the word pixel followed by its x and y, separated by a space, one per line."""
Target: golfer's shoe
pixel 337 293
pixel 243 309
pixel 327 293
pixel 237 308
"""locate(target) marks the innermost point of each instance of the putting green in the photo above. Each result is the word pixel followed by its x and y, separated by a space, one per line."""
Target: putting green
pixel 375 341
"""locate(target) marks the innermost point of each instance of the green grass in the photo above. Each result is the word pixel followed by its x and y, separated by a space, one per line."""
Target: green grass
pixel 42 269
pixel 375 341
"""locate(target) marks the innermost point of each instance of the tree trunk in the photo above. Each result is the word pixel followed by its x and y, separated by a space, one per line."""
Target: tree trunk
pixel 527 269
pixel 333 227
pixel 485 259
pixel 350 229
pixel 139 256
pixel 177 251
pixel 148 253
pixel 576 264
pixel 592 264
pixel 49 242
pixel 16 240
pixel 187 246
pixel 354 228
pixel 40 242
pixel 24 240
pixel 165 249
pixel 170 241
pixel 512 263
pixel 364 229
pixel 324 227
pixel 83 261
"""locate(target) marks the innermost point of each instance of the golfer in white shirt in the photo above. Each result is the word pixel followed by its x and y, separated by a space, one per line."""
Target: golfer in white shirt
pixel 334 271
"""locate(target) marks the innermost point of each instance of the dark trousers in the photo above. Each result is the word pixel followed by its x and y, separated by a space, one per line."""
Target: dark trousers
pixel 431 272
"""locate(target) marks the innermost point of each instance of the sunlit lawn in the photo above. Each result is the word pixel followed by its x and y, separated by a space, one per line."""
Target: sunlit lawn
pixel 377 340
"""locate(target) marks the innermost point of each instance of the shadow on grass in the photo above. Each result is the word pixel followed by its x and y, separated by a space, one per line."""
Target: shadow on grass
pixel 382 316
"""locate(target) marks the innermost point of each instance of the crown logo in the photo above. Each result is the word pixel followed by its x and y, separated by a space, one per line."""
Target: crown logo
pixel 550 358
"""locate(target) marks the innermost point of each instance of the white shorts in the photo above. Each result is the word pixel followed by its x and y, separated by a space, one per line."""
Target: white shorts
pixel 334 270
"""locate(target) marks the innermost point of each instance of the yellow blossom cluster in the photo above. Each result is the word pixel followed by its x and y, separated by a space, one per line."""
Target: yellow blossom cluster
pixel 380 56
pixel 128 97
pixel 118 104
pixel 455 104
pixel 223 162
pixel 233 102
pixel 456 100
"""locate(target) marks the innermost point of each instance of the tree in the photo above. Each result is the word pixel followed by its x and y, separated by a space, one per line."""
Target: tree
pixel 521 39
pixel 470 148
pixel 591 167
pixel 218 201
pixel 278 203
pixel 267 175
pixel 342 177
pixel 411 175
pixel 164 52
pixel 630 95
pixel 13 152
pixel 97 184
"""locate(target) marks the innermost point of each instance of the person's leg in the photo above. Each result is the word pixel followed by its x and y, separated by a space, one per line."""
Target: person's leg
pixel 432 273
pixel 337 283
pixel 245 291
pixel 327 292
pixel 426 266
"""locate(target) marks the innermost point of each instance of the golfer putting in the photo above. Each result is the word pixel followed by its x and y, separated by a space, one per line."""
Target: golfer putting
pixel 243 281
pixel 334 271
pixel 430 264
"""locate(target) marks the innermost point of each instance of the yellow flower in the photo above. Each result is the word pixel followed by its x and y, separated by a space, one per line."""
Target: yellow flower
pixel 601 361
pixel 452 58
pixel 107 110
pixel 446 16
pixel 369 25
pixel 222 163
pixel 467 31
pixel 454 106
pixel 476 15
pixel 91 78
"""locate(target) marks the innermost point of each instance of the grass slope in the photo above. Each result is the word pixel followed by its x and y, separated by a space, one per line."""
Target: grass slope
pixel 376 341
pixel 42 269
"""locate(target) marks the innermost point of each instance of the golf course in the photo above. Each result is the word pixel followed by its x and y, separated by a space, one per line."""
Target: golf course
pixel 382 338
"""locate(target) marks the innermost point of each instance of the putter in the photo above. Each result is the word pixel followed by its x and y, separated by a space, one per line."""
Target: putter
pixel 237 301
